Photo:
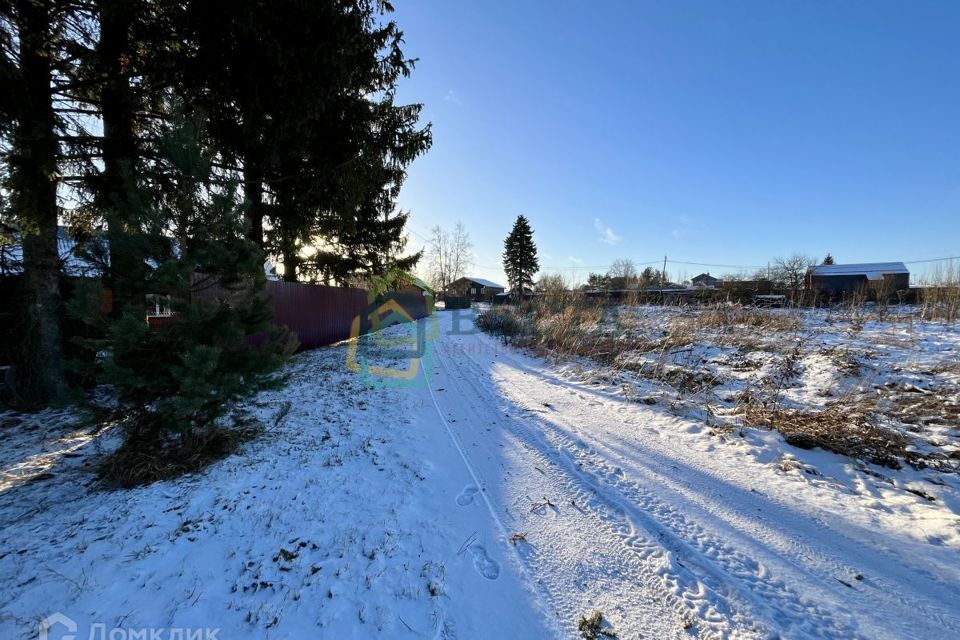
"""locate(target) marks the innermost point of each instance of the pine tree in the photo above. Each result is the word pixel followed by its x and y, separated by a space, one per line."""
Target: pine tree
pixel 172 383
pixel 828 259
pixel 598 281
pixel 520 257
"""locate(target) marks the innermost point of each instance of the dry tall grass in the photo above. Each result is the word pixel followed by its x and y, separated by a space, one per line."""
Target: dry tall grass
pixel 662 347
pixel 557 323
pixel 565 323
pixel 940 294
pixel 732 316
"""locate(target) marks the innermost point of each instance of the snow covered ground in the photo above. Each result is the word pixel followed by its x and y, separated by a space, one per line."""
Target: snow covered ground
pixel 497 495
pixel 347 519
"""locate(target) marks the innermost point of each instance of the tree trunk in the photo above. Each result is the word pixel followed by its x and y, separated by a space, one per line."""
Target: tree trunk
pixel 291 260
pixel 117 197
pixel 34 200
pixel 253 197
pixel 252 169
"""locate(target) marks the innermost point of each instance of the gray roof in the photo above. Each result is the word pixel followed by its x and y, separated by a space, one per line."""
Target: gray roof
pixel 486 283
pixel 87 259
pixel 73 261
pixel 872 270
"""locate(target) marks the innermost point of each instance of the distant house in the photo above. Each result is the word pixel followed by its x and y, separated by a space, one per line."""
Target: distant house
pixel 476 289
pixel 88 258
pixel 77 259
pixel 705 281
pixel 840 280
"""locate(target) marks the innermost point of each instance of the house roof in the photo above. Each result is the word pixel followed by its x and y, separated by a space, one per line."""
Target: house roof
pixel 72 260
pixel 872 270
pixel 87 259
pixel 485 283
pixel 705 275
pixel 420 284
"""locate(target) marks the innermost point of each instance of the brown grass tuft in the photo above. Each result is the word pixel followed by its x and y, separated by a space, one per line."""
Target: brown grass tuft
pixel 842 427
pixel 141 461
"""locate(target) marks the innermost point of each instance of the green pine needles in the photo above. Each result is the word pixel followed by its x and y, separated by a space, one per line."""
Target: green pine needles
pixel 173 382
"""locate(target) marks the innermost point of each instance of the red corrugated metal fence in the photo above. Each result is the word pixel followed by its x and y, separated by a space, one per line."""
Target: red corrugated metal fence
pixel 320 315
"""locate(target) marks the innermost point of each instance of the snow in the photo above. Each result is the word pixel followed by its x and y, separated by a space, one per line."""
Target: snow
pixel 486 283
pixel 500 495
pixel 343 520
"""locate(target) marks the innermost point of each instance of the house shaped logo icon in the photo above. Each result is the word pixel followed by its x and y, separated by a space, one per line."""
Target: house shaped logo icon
pixel 387 314
pixel 48 624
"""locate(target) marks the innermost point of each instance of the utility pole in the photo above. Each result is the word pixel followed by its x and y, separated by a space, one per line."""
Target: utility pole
pixel 663 280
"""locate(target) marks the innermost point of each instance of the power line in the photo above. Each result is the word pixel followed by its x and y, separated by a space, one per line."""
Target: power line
pixel 606 267
pixel 722 266
pixel 932 260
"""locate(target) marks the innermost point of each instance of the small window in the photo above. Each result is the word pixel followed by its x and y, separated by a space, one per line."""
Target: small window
pixel 158 306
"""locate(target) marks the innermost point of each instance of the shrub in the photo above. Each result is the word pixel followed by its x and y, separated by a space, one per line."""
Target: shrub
pixel 504 321
pixel 940 294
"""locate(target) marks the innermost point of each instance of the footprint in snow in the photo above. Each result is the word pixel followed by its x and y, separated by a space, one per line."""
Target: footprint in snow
pixel 485 565
pixel 466 496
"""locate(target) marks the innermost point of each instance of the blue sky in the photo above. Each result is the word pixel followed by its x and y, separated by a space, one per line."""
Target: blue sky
pixel 714 132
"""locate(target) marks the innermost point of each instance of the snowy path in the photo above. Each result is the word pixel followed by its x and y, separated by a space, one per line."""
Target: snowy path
pixel 626 509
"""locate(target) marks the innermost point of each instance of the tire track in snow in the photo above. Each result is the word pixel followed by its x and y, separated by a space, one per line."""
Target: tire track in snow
pixel 727 573
pixel 673 582
pixel 818 565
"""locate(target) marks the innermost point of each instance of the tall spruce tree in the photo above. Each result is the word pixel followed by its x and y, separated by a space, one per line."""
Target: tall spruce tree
pixel 33 49
pixel 300 96
pixel 520 257
pixel 118 193
pixel 115 96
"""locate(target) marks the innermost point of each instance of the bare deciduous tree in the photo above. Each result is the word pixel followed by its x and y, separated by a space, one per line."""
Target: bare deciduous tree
pixel 449 255
pixel 791 272
pixel 623 268
pixel 553 283
pixel 622 273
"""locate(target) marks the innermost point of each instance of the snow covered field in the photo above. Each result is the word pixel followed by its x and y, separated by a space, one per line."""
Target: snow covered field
pixel 498 495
